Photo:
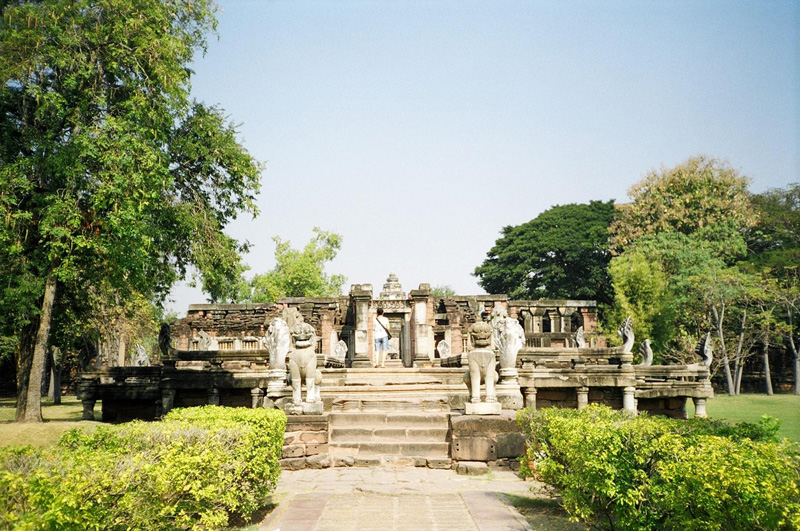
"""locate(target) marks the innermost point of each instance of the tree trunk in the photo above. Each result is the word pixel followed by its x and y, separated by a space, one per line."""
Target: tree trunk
pixel 27 337
pixel 33 406
pixel 767 374
pixel 795 356
pixel 739 359
pixel 718 317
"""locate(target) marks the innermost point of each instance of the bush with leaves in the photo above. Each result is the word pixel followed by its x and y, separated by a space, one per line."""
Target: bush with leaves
pixel 621 472
pixel 192 471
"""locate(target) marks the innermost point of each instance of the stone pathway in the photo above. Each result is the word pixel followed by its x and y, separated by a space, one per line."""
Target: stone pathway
pixel 409 498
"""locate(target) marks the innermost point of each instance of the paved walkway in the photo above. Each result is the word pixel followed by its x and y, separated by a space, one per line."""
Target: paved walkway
pixel 355 499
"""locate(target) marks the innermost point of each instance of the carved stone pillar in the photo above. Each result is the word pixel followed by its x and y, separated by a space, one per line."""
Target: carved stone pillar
pixel 213 396
pixel 700 408
pixel 583 397
pixel 628 399
pixel 423 332
pixel 530 398
pixel 167 400
pixel 88 408
pixel 361 297
pixel 256 396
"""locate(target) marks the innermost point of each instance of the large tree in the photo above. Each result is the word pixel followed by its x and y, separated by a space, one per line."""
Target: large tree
pixel 109 171
pixel 698 194
pixel 560 254
pixel 297 272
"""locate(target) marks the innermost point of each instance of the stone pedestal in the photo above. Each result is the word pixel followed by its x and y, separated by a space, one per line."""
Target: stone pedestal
pixel 583 397
pixel 483 408
pixel 628 399
pixel 276 383
pixel 509 395
pixel 304 408
pixel 700 408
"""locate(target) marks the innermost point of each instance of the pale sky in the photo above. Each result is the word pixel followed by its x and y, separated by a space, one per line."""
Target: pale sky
pixel 417 130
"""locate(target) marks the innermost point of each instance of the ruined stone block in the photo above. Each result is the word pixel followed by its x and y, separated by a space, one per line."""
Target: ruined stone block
pixel 472 468
pixel 474 449
pixel 295 463
pixel 318 461
pixel 510 445
pixel 314 449
pixel 294 450
pixel 315 437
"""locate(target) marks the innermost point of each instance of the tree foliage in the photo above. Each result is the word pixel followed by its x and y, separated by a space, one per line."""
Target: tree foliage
pixel 698 194
pixel 108 170
pixel 560 254
pixel 297 273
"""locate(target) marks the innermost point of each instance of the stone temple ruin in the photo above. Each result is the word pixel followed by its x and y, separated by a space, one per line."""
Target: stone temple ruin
pixel 458 369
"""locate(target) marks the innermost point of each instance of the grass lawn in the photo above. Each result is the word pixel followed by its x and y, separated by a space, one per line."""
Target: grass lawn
pixel 57 420
pixel 750 408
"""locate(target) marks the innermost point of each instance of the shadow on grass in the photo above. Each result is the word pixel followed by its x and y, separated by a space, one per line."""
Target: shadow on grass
pixel 544 513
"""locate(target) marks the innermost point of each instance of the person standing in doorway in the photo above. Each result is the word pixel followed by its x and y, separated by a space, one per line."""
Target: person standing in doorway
pixel 381 335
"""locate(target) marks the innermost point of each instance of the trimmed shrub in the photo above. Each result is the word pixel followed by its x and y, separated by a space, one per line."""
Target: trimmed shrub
pixel 621 472
pixel 193 470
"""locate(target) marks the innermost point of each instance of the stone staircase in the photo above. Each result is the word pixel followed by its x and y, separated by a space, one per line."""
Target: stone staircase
pixel 390 432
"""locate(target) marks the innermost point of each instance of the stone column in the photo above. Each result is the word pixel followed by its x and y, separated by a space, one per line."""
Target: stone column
pixel 167 400
pixel 88 408
pixel 423 334
pixel 700 408
pixel 583 397
pixel 628 399
pixel 361 297
pixel 213 396
pixel 530 398
pixel 256 396
pixel 405 341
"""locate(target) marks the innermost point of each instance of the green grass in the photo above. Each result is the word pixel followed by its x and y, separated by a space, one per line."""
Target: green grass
pixel 544 514
pixel 57 420
pixel 750 408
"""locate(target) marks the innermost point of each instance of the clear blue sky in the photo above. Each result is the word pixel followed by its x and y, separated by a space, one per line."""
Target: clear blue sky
pixel 417 130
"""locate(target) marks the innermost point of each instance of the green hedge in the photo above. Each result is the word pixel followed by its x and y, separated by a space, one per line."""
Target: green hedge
pixel 620 472
pixel 193 470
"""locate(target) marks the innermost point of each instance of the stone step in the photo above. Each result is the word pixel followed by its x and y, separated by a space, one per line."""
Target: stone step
pixel 390 448
pixel 370 434
pixel 387 419
pixel 368 403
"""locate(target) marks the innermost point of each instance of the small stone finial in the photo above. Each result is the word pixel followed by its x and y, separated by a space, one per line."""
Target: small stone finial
pixel 646 352
pixel 580 339
pixel 703 349
pixel 392 289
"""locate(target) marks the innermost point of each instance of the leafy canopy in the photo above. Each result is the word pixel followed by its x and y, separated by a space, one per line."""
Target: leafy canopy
pixel 297 273
pixel 560 254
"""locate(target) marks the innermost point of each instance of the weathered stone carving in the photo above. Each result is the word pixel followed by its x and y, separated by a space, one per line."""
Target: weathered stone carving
pixel 580 339
pixel 443 348
pixel 277 342
pixel 703 349
pixel 206 342
pixel 509 337
pixel 303 363
pixel 140 359
pixel 338 356
pixel 481 368
pixel 646 352
pixel 165 341
pixel 625 331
